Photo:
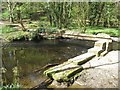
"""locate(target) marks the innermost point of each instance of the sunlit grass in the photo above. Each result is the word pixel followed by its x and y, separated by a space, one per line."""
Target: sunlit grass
pixel 109 31
pixel 95 30
pixel 6 29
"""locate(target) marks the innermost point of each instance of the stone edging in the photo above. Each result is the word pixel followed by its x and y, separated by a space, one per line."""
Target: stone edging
pixel 70 69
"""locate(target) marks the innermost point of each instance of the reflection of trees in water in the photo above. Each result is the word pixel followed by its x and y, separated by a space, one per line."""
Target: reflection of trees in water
pixel 24 60
pixel 15 76
pixel 15 70
pixel 5 81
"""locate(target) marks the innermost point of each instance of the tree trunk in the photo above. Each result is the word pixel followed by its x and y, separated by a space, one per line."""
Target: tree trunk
pixel 20 20
pixel 66 15
pixel 61 15
pixel 50 18
pixel 100 13
pixel 118 14
pixel 10 12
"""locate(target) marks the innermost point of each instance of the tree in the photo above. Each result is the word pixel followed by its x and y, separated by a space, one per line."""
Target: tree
pixel 11 7
pixel 19 18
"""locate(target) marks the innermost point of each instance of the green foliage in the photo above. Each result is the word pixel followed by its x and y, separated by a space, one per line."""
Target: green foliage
pixel 61 15
pixel 43 18
pixel 7 29
pixel 18 35
pixel 69 15
pixel 4 15
pixel 32 26
pixel 51 30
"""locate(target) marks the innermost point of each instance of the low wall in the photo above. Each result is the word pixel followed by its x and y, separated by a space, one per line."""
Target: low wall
pixel 70 70
pixel 78 35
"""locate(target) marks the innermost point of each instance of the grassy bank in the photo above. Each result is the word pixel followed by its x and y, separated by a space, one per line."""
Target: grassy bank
pixel 114 32
pixel 110 31
pixel 11 34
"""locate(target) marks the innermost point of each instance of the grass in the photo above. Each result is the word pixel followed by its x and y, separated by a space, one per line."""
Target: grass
pixel 6 29
pixel 114 32
pixel 109 31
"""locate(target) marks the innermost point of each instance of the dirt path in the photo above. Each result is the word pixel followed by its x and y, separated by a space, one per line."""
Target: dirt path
pixel 100 72
pixel 104 73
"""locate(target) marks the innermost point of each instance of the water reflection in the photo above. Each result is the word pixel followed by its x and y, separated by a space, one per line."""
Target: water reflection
pixel 21 59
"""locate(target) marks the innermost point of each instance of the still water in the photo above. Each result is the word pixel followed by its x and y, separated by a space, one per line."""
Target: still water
pixel 32 56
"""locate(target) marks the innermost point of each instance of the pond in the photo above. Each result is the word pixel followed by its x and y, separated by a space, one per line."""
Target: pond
pixel 32 56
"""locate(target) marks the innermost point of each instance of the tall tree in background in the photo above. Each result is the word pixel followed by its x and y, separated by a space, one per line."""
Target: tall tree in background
pixel 11 7
pixel 19 16
pixel 100 10
pixel 83 15
pixel 59 14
